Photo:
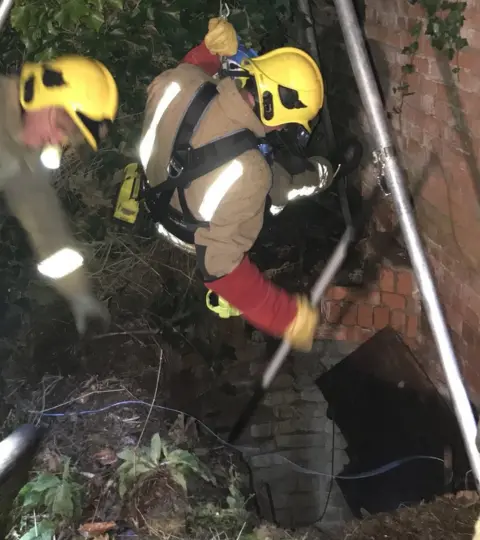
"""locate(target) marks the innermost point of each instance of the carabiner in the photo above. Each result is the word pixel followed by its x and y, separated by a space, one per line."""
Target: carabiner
pixel 224 10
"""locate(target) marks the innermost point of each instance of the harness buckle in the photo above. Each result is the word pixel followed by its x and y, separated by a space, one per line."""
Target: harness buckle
pixel 174 168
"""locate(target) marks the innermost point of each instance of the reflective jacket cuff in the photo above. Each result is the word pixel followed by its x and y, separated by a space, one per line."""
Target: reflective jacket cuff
pixel 202 57
pixel 262 304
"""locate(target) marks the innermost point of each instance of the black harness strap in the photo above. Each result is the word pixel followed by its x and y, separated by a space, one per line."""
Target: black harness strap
pixel 187 163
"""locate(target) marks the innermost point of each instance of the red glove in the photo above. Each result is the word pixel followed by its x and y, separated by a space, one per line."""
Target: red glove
pixel 262 303
pixel 202 57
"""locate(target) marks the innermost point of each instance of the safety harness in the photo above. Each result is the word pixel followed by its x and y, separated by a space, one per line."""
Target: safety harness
pixel 188 164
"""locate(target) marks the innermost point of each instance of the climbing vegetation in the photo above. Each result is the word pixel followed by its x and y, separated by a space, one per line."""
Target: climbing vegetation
pixel 444 20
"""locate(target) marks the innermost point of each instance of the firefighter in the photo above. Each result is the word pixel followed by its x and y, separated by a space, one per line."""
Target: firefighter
pixel 200 153
pixel 48 106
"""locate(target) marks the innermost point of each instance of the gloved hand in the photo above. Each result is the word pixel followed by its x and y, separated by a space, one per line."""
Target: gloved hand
pixel 221 38
pixel 301 331
pixel 86 309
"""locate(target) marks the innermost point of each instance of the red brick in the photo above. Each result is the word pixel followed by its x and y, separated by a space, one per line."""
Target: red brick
pixel 387 280
pixel 381 317
pixel 405 282
pixel 374 298
pixel 393 300
pixel 398 320
pixel 412 326
pixel 468 81
pixel 471 318
pixel 339 333
pixel 367 334
pixel 332 311
pixel 468 59
pixel 411 342
pixel 349 314
pixel 435 191
pixel 354 333
pixel 469 335
pixel 337 293
pixel 454 319
pixel 365 316
pixel 413 305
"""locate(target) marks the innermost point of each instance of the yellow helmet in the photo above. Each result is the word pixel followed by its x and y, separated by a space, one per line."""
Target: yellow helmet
pixel 289 86
pixel 82 86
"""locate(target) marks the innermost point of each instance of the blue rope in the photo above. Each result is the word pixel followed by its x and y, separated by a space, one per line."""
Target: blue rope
pixel 368 474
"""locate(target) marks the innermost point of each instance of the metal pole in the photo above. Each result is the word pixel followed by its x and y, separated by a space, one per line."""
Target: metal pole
pixel 373 105
pixel 333 266
pixel 323 281
pixel 5 7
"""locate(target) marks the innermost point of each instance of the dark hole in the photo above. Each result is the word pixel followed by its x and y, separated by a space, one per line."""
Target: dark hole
pixel 28 89
pixel 52 78
pixel 92 125
pixel 267 105
pixel 289 98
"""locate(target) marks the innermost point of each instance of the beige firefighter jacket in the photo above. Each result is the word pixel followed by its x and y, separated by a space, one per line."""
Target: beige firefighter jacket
pixel 232 197
pixel 26 184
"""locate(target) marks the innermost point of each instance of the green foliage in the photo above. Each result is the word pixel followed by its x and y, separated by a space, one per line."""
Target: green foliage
pixel 443 25
pixel 228 519
pixel 52 500
pixel 135 39
pixel 140 463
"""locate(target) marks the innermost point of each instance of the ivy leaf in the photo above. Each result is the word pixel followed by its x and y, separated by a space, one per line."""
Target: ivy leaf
pixel 63 504
pixel 45 481
pixel 44 530
pixel 416 29
pixel 117 4
pixel 96 20
pixel 140 469
pixel 128 454
pixel 156 449
pixel 179 478
pixel 408 68
pixel 32 499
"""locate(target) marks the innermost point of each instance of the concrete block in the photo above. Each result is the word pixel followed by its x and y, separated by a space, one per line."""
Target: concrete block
pixel 309 458
pixel 330 426
pixel 312 394
pixel 300 410
pixel 281 397
pixel 340 442
pixel 261 430
pixel 301 440
pixel 296 425
pixel 308 483
pixel 266 460
pixel 298 502
pixel 273 475
pixel 282 381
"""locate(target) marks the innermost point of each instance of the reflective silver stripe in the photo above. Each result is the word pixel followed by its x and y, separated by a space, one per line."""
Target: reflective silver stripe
pixel 174 240
pixel 61 263
pixel 274 210
pixel 305 191
pixel 219 188
pixel 146 145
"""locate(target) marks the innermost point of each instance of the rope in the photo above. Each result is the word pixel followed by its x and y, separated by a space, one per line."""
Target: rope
pixel 243 449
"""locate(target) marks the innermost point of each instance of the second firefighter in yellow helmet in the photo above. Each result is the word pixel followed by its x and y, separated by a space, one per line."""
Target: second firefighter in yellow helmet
pixel 82 86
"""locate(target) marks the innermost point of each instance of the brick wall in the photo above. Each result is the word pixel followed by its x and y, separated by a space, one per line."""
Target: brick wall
pixel 437 135
pixel 355 315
